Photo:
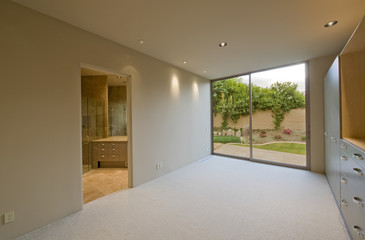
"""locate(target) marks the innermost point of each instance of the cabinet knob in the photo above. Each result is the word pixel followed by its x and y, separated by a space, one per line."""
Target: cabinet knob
pixel 343 158
pixel 358 156
pixel 344 203
pixel 113 156
pixel 102 149
pixel 325 133
pixel 343 146
pixel 343 180
pixel 102 156
pixel 357 171
pixel 357 201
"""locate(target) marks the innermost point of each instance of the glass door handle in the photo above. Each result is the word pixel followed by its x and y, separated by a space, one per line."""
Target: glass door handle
pixel 87 140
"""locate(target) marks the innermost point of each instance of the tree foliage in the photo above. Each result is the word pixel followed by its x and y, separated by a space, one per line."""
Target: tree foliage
pixel 231 99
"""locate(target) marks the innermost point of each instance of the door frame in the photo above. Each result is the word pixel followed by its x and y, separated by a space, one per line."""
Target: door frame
pixel 129 116
pixel 307 118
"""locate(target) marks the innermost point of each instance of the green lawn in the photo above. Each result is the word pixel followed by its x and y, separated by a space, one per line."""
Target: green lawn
pixel 296 148
pixel 226 139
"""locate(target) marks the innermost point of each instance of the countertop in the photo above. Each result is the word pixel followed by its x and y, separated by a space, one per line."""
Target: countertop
pixel 113 139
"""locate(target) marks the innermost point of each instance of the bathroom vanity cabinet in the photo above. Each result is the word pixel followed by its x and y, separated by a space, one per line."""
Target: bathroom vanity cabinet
pixel 111 149
pixel 344 120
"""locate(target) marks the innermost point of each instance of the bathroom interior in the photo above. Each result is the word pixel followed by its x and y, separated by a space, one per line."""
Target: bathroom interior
pixel 104 133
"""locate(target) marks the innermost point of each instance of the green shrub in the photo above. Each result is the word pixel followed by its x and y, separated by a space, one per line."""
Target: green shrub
pixel 231 99
pixel 226 139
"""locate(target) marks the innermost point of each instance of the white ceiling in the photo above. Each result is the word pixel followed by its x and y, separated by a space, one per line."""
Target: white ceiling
pixel 260 33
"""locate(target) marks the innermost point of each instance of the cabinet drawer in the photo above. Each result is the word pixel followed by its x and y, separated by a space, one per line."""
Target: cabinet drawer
pixel 103 150
pixel 113 149
pixel 352 171
pixel 354 219
pixel 108 157
pixel 354 153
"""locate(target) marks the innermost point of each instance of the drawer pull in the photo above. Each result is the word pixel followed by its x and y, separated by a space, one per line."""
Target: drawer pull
pixel 102 144
pixel 343 180
pixel 333 139
pixel 344 158
pixel 102 149
pixel 343 146
pixel 357 171
pixel 113 149
pixel 358 230
pixel 358 156
pixel 344 203
pixel 102 156
pixel 113 156
pixel 325 133
pixel 358 201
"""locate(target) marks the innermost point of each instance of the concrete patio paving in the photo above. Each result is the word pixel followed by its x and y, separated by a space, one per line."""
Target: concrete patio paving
pixel 274 156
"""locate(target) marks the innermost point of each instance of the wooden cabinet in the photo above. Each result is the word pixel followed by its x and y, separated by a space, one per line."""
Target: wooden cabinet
pixel 113 149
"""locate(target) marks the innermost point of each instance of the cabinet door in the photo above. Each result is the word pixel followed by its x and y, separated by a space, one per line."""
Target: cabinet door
pixel 332 128
pixel 332 101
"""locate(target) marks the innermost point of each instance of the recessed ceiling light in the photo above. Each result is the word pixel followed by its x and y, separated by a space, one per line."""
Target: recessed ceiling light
pixel 140 41
pixel 185 62
pixel 204 71
pixel 222 44
pixel 330 24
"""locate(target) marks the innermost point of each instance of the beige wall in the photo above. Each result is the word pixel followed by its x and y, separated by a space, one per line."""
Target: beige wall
pixel 294 120
pixel 318 68
pixel 40 124
pixel 40 166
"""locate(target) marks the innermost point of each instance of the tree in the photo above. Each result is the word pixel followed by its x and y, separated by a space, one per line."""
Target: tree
pixel 231 99
pixel 284 97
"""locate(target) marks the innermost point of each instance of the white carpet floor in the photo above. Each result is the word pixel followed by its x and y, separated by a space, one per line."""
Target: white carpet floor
pixel 214 199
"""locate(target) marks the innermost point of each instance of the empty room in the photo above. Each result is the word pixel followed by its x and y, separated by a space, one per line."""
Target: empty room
pixel 182 120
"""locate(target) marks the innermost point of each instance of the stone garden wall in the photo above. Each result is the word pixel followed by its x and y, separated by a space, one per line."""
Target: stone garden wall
pixel 294 120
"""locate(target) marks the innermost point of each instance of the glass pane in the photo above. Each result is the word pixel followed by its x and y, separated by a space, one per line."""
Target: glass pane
pixel 278 115
pixel 93 127
pixel 117 110
pixel 231 106
pixel 85 134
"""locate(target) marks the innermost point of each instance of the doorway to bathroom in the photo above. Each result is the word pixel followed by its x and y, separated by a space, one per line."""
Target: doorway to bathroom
pixel 104 113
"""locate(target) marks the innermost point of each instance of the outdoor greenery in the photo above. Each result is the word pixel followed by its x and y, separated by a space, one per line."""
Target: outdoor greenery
pixel 231 99
pixel 296 148
pixel 226 139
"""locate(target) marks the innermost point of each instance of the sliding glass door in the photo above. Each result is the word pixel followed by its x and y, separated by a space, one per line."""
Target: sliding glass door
pixel 231 116
pixel 261 116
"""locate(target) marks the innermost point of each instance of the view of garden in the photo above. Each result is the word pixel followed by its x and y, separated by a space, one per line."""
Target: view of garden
pixel 278 119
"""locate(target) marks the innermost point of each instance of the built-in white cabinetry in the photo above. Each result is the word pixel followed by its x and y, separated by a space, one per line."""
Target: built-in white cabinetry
pixel 344 124
pixel 332 127
pixel 353 188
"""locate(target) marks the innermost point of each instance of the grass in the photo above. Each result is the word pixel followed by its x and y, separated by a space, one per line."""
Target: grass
pixel 226 139
pixel 296 148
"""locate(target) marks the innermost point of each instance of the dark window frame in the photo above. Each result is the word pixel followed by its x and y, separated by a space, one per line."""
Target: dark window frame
pixel 307 119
